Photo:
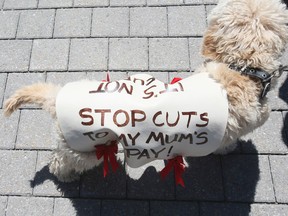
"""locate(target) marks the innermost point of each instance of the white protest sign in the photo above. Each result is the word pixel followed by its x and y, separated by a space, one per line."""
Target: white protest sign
pixel 151 119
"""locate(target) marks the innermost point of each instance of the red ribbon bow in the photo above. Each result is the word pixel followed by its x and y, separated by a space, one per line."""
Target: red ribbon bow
pixel 109 153
pixel 179 167
pixel 175 80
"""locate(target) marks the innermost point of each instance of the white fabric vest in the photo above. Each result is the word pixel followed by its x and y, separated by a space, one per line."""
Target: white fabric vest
pixel 151 119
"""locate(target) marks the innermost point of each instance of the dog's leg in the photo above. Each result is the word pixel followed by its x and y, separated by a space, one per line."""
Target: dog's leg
pixel 42 94
pixel 67 164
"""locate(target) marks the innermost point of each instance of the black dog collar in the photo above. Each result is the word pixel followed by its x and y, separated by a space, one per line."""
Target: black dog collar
pixel 264 76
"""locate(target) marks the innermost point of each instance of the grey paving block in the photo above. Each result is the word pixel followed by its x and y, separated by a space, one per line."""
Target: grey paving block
pixel 148 21
pixel 186 21
pixel 102 75
pixel 196 58
pixel 125 207
pixel 36 130
pixel 49 55
pixel 128 54
pixel 16 81
pixel 36 24
pixel 3 204
pixel 30 206
pixel 1 3
pixel 8 130
pixel 72 22
pixel 194 1
pixel 76 207
pixel 267 210
pixel 247 178
pixel 280 174
pixel 3 80
pixel 197 178
pixel 163 76
pixel 224 209
pixel 17 170
pixel 211 1
pixel 165 2
pixel 267 139
pixel 173 208
pixel 8 23
pixel 168 54
pixel 110 22
pixel 182 75
pixel 209 8
pixel 59 78
pixel 127 2
pixel 15 4
pixel 150 185
pixel 88 54
pixel 56 4
pixel 46 184
pixel 88 3
pixel 15 55
pixel 94 184
pixel 277 97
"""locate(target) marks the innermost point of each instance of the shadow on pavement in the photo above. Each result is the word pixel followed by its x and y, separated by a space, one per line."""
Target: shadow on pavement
pixel 228 180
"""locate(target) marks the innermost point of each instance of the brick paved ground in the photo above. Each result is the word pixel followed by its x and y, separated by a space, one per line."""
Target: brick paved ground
pixel 62 40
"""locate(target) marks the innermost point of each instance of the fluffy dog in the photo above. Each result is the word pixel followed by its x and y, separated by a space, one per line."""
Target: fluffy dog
pixel 242 45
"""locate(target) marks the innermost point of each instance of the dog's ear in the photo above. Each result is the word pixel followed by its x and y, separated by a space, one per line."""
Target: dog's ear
pixel 209 45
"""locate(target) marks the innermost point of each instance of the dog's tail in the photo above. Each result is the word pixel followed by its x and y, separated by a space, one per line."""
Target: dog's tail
pixel 42 94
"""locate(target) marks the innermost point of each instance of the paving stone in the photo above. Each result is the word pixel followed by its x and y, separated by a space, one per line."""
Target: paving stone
pixel 16 81
pixel 198 180
pixel 88 54
pixel 81 3
pixel 36 130
pixel 55 3
pixel 102 75
pixel 186 21
pixel 128 54
pixel 173 208
pixel 15 55
pixel 36 24
pixel 125 207
pixel 94 184
pixel 267 139
pixel 15 4
pixel 194 1
pixel 63 78
pixel 278 97
pixel 127 2
pixel 165 2
pixel 3 80
pixel 280 174
pixel 196 58
pixel 147 183
pixel 247 178
pixel 110 22
pixel 3 205
pixel 31 206
pixel 211 1
pixel 148 21
pixel 267 210
pixel 168 54
pixel 48 55
pixel 76 207
pixel 8 23
pixel 72 22
pixel 46 184
pixel 1 3
pixel 163 76
pixel 8 130
pixel 179 74
pixel 224 209
pixel 17 170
